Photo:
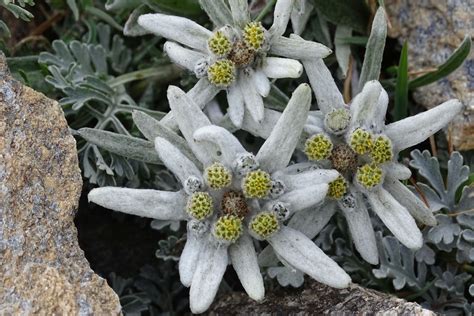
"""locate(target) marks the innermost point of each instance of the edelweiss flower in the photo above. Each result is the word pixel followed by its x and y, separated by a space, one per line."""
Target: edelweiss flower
pixel 233 57
pixel 354 140
pixel 233 196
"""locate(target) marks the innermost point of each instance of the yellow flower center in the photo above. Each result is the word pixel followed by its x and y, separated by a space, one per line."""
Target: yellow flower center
pixel 361 141
pixel 318 147
pixel 199 205
pixel 228 228
pixel 254 35
pixel 221 73
pixel 256 184
pixel 382 150
pixel 264 224
pixel 217 176
pixel 219 45
pixel 369 176
pixel 337 188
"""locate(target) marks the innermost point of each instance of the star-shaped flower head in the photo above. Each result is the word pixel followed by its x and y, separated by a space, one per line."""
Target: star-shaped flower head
pixel 239 55
pixel 354 140
pixel 230 197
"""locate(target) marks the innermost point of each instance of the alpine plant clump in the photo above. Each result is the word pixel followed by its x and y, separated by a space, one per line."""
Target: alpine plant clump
pixel 230 196
pixel 238 55
pixel 354 140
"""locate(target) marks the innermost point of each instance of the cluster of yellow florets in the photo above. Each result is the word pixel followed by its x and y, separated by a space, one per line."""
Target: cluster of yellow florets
pixel 219 44
pixel 199 205
pixel 264 224
pixel 381 150
pixel 369 175
pixel 256 184
pixel 228 228
pixel 318 147
pixel 361 141
pixel 254 35
pixel 221 73
pixel 337 188
pixel 218 176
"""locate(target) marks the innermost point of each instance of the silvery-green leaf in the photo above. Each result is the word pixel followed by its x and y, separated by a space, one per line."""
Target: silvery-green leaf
pixel 158 224
pixel 123 145
pixel 287 276
pixel 114 5
pixel 397 170
pixel 217 11
pixel 277 150
pixel 425 254
pixel 152 128
pixel 132 28
pixel 312 220
pixel 244 261
pixel 178 29
pixel 184 57
pixel 297 48
pixel 145 203
pixel 301 253
pixel 300 15
pixel 374 50
pixel 398 263
pixel 240 12
pixel 445 232
pixel 343 50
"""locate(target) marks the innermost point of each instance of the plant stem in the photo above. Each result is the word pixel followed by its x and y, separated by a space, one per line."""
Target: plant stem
pixel 164 72
pixel 265 10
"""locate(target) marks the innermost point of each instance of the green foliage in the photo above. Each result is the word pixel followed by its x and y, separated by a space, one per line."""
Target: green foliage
pixel 352 13
pixel 18 10
pixel 401 89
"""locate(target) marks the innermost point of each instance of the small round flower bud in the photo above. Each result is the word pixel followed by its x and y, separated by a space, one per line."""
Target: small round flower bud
pixel 254 35
pixel 264 225
pixel 234 203
pixel 198 227
pixel 221 73
pixel 219 44
pixel 281 211
pixel 369 176
pixel 192 184
pixel 318 147
pixel 337 121
pixel 343 158
pixel 382 150
pixel 199 205
pixel 277 189
pixel 218 176
pixel 245 163
pixel 228 228
pixel 256 184
pixel 348 201
pixel 361 141
pixel 337 188
pixel 201 67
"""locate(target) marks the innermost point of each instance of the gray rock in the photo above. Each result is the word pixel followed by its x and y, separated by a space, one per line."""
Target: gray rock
pixel 433 29
pixel 42 268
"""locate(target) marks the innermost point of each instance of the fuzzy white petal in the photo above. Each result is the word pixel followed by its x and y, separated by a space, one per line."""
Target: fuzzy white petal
pixel 261 82
pixel 201 94
pixel 210 269
pixel 244 260
pixel 176 161
pixel 312 220
pixel 365 105
pixel 146 203
pixel 415 129
pixel 184 57
pixel 397 170
pixel 306 178
pixel 217 11
pixel 361 229
pixel 300 252
pixel 300 15
pixel 298 48
pixel 305 197
pixel 189 257
pixel 236 108
pixel 325 89
pixel 264 128
pixel 276 67
pixel 281 17
pixel 177 29
pixel 189 118
pixel 343 50
pixel 226 143
pixel 240 12
pixel 414 205
pixel 396 217
pixel 252 99
pixel 275 153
